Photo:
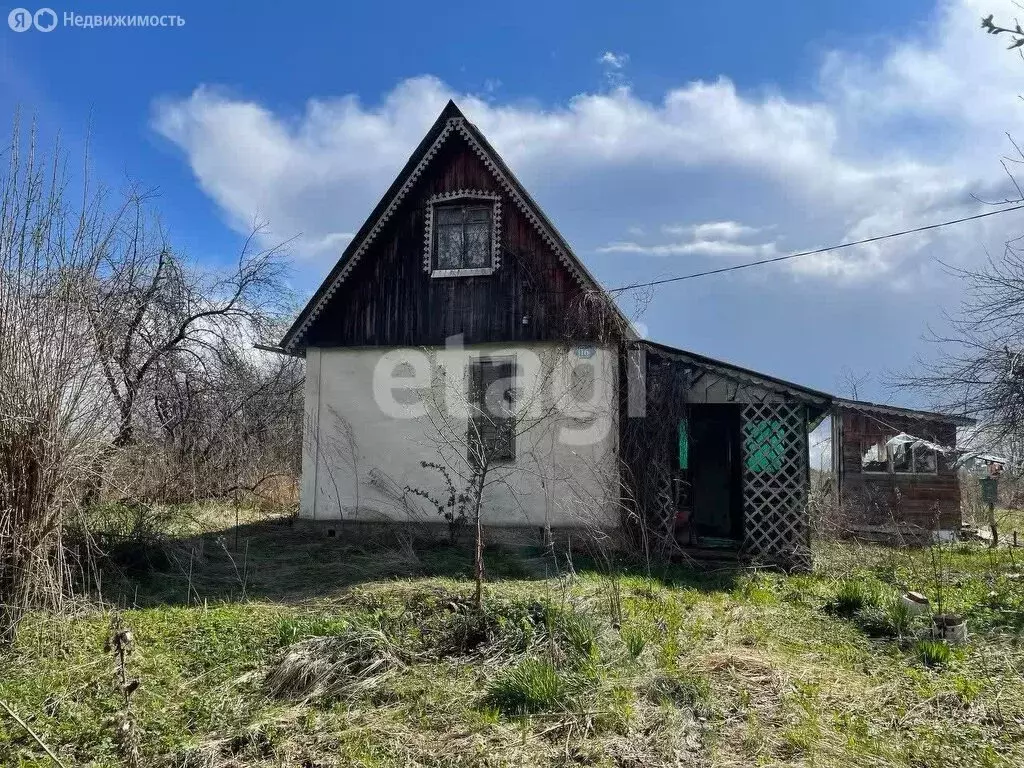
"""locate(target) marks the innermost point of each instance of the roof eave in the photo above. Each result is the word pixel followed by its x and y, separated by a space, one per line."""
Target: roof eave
pixel 866 406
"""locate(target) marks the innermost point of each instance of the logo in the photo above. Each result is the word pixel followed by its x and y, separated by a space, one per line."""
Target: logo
pixel 22 20
pixel 45 20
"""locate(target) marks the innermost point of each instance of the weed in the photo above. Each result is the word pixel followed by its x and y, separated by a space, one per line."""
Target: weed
pixel 899 615
pixel 889 618
pixel 933 653
pixel 532 686
pixel 757 589
pixel 851 596
pixel 634 641
pixel 579 633
pixel 291 630
pixel 874 621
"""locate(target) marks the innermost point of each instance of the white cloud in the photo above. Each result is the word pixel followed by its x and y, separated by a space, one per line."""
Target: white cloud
pixel 706 247
pixel 896 140
pixel 718 230
pixel 710 238
pixel 614 60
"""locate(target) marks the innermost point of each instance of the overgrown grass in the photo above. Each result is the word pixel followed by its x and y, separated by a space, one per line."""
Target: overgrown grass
pixel 933 653
pixel 529 687
pixel 345 655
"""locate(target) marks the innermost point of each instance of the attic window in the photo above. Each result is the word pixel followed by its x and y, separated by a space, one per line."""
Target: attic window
pixel 462 234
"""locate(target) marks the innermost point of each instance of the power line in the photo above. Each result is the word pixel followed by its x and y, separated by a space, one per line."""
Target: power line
pixel 788 256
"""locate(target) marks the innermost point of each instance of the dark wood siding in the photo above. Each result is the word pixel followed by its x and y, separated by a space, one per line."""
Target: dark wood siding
pixel 390 300
pixel 929 501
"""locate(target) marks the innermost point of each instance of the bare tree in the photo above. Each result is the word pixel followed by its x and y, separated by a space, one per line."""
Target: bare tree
pixel 850 383
pixel 498 431
pixel 54 410
pixel 154 313
pixel 106 334
pixel 221 425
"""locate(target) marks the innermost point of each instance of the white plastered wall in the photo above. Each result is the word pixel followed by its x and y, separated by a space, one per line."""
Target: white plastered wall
pixel 368 430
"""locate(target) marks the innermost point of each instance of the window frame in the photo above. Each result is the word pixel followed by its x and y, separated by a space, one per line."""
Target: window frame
pixel 462 199
pixel 888 458
pixel 475 406
pixel 890 465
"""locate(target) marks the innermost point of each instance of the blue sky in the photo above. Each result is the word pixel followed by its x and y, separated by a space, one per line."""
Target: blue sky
pixel 661 138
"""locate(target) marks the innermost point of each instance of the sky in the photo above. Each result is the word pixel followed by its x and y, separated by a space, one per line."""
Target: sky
pixel 661 138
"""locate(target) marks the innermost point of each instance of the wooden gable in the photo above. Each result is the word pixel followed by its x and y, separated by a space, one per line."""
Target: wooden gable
pixel 382 292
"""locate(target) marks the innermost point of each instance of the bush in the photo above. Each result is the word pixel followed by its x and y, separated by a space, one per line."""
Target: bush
pixel 529 687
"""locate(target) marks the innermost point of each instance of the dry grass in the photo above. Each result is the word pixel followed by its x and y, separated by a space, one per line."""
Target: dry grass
pixel 357 659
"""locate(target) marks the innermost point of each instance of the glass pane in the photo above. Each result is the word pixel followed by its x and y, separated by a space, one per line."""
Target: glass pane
pixel 478 214
pixel 448 215
pixel 449 247
pixel 478 244
pixel 924 460
pixel 901 457
pixel 874 459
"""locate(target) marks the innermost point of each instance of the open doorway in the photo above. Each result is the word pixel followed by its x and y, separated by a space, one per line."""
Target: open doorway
pixel 716 475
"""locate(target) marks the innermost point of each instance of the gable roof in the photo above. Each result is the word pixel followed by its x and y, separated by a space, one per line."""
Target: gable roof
pixel 449 123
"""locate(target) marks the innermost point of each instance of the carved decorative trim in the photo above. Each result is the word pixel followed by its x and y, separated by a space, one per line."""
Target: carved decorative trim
pixel 568 261
pixel 374 231
pixel 453 197
pixel 452 125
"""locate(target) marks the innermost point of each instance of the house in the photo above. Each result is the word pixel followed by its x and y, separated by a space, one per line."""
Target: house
pixel 460 347
pixel 896 470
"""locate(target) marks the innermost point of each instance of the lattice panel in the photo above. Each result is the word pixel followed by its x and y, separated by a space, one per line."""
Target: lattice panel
pixel 775 482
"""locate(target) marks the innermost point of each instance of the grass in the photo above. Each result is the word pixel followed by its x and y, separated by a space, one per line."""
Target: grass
pixel 346 655
pixel 529 687
pixel 933 653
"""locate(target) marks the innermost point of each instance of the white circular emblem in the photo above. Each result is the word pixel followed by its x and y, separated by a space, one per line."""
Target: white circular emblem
pixel 20 19
pixel 45 20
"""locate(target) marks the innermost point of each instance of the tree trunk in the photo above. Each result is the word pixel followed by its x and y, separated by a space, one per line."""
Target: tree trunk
pixel 478 554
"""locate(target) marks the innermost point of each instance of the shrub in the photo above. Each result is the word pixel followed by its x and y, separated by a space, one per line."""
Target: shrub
pixel 529 687
pixel 933 653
